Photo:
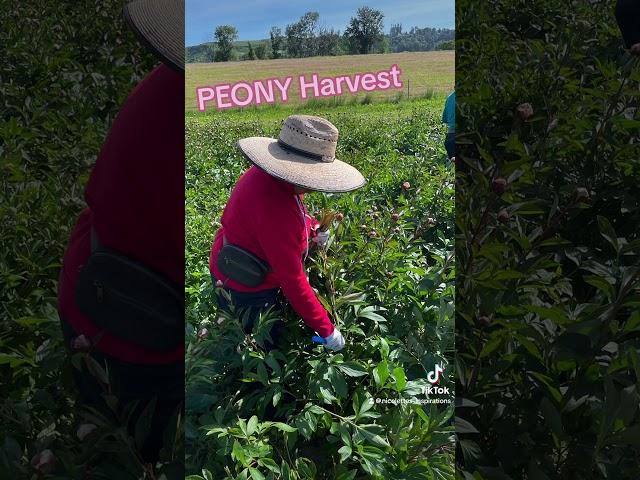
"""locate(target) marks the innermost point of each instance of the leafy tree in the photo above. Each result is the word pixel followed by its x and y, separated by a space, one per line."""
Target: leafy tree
pixel 261 50
pixel 365 29
pixel 225 36
pixel 277 42
pixel 250 55
pixel 395 31
pixel 419 39
pixel 447 45
pixel 328 42
pixel 301 41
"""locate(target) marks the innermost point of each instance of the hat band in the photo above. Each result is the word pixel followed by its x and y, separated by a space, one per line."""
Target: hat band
pixel 311 155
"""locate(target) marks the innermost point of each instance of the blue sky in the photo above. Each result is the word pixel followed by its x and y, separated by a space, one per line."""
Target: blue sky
pixel 254 18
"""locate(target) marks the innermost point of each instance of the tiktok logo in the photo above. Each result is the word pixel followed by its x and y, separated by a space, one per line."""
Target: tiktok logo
pixel 434 376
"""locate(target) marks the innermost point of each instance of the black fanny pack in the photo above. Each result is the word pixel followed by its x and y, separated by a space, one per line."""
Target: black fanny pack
pixel 242 266
pixel 129 300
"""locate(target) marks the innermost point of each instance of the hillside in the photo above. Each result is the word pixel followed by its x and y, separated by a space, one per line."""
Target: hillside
pixel 203 53
pixel 423 73
pixel 396 41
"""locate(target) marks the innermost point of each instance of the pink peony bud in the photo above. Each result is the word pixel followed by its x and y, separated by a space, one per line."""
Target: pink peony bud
pixel 525 111
pixel 219 284
pixel 81 343
pixel 44 462
pixel 203 333
pixel 499 185
pixel 503 216
pixel 84 430
pixel 406 186
pixel 581 194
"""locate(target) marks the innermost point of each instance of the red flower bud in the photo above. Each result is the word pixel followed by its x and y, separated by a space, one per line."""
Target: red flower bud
pixel 525 111
pixel 85 430
pixel 82 343
pixel 503 216
pixel 395 217
pixel 219 284
pixel 44 462
pixel 581 194
pixel 499 185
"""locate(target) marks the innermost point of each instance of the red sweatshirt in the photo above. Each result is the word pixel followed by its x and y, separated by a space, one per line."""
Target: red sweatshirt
pixel 135 197
pixel 262 216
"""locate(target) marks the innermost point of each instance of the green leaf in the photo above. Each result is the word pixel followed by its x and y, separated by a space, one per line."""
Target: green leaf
pixel 252 424
pixel 601 284
pixel 401 379
pixel 374 438
pixel 607 231
pixel 207 474
pixel 492 345
pixel 381 373
pixel 552 416
pixel 556 314
pixel 352 369
pixel 263 376
pixel 338 383
pixel 344 452
pixel 344 434
pixel 463 426
pixel 284 427
pixel 350 475
pixel 238 453
pixel 270 464
pixel 143 425
pixel 255 473
pixel 326 394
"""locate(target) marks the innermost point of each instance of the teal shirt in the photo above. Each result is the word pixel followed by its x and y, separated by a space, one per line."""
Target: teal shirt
pixel 449 112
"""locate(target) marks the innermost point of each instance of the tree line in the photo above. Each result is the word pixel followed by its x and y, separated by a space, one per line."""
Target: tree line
pixel 306 38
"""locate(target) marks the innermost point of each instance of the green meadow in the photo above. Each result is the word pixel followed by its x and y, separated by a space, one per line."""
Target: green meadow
pixel 423 73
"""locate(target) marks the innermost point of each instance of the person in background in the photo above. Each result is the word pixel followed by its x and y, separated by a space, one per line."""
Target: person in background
pixel 449 117
pixel 133 228
pixel 266 228
pixel 628 18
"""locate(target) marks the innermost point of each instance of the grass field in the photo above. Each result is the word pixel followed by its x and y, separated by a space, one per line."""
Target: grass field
pixel 422 72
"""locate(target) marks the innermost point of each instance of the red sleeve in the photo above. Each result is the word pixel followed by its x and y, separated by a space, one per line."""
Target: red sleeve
pixel 282 243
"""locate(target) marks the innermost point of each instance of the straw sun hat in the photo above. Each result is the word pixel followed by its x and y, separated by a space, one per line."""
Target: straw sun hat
pixel 159 24
pixel 304 154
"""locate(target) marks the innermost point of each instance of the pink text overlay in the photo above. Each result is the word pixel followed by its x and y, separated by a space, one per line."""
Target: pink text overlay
pixel 273 90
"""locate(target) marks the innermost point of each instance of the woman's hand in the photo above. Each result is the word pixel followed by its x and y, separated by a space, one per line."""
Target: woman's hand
pixel 321 238
pixel 335 341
